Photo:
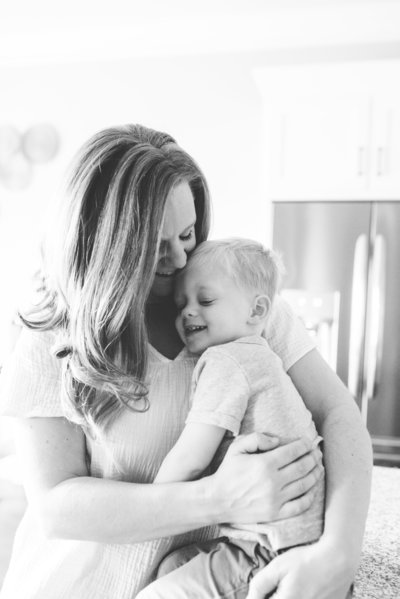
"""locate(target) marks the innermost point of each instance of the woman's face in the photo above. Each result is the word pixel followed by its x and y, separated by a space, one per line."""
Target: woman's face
pixel 178 238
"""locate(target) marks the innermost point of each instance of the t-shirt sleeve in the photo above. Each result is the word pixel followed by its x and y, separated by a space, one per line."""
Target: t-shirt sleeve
pixel 221 392
pixel 286 334
pixel 30 381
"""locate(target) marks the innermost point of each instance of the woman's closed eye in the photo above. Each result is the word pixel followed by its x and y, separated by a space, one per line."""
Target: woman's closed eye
pixel 187 236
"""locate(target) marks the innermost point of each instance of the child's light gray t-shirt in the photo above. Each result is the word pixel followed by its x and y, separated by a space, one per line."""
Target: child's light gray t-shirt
pixel 242 387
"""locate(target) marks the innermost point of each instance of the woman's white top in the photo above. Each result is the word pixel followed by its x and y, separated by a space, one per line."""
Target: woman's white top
pixel 132 451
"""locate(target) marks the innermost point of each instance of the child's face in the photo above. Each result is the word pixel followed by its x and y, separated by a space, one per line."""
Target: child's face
pixel 212 308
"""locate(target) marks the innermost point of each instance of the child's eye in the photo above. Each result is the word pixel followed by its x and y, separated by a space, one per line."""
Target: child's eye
pixel 206 302
pixel 188 236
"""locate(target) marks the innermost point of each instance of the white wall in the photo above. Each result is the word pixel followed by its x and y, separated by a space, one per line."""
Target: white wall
pixel 209 103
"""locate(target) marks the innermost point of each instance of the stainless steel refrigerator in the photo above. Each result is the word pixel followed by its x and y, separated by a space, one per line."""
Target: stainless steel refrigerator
pixel 343 279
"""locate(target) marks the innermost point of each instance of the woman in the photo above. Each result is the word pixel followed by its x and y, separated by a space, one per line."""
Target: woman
pixel 99 393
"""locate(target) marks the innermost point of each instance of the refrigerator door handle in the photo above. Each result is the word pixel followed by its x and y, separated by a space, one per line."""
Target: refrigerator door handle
pixel 358 316
pixel 376 313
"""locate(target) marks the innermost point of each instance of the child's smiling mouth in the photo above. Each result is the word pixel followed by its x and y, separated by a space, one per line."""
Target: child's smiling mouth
pixel 193 328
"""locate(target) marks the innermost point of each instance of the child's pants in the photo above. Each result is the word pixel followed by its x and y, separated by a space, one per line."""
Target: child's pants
pixel 219 568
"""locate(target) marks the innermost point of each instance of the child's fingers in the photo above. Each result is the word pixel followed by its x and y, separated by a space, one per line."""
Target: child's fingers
pixel 253 443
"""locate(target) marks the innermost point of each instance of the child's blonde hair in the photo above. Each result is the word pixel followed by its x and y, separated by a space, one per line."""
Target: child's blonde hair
pixel 248 262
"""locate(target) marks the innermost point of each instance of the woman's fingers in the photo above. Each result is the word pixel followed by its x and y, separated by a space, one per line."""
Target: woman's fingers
pixel 302 485
pixel 291 452
pixel 263 583
pixel 302 467
pixel 297 506
pixel 267 485
pixel 298 495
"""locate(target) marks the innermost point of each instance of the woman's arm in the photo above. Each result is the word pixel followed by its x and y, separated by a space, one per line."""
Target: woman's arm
pixel 327 568
pixel 191 454
pixel 71 504
pixel 347 451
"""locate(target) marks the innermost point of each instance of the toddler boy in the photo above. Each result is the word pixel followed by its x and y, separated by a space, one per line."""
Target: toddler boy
pixel 224 295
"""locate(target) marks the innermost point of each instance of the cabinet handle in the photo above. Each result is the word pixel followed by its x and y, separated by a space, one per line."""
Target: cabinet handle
pixel 379 162
pixel 360 161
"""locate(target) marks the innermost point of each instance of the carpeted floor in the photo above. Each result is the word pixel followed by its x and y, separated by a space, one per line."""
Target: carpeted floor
pixel 379 573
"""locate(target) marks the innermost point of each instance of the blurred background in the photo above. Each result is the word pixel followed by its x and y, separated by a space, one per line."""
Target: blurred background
pixel 70 69
pixel 283 103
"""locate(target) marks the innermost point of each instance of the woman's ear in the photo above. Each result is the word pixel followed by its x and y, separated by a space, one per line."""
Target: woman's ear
pixel 260 309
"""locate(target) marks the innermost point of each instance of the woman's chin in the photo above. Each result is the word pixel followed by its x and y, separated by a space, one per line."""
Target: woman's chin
pixel 162 286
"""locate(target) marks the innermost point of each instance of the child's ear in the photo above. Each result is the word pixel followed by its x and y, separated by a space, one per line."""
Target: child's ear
pixel 260 309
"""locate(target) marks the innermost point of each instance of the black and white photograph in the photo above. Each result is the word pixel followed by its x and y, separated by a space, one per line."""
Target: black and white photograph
pixel 200 299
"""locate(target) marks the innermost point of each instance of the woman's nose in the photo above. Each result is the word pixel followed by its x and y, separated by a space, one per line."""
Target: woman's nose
pixel 176 255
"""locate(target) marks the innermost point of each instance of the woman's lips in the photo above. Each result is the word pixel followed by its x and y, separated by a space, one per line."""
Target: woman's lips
pixel 165 274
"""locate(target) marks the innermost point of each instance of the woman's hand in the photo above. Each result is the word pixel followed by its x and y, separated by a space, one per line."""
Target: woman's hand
pixel 260 481
pixel 315 571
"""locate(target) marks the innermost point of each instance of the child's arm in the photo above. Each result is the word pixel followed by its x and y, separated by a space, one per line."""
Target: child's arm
pixel 218 404
pixel 191 454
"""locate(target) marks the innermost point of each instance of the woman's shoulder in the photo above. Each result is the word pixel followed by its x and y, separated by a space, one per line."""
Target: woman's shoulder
pixel 286 333
pixel 30 382
pixel 35 348
pixel 281 318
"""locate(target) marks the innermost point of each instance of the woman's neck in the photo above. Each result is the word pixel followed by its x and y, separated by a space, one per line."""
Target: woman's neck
pixel 160 320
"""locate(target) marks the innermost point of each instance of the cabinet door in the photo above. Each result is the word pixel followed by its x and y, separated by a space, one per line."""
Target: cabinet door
pixel 385 149
pixel 332 131
pixel 385 130
pixel 318 147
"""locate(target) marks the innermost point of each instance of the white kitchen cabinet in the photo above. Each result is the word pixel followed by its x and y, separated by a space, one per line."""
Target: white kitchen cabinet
pixel 332 131
pixel 385 145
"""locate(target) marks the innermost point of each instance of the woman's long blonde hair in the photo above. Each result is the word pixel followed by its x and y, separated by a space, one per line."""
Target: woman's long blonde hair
pixel 104 261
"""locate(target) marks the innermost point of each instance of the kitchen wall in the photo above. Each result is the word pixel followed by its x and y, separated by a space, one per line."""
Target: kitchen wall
pixel 210 105
pixel 208 100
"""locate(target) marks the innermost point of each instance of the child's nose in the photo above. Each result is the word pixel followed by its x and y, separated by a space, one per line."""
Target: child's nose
pixel 189 310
